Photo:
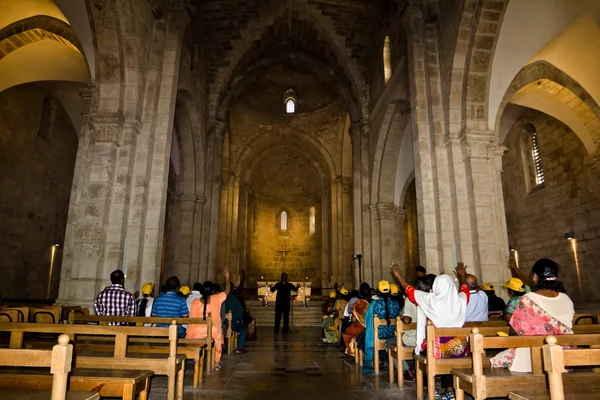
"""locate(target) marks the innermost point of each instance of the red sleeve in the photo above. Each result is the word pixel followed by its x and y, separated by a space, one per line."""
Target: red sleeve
pixel 465 289
pixel 410 293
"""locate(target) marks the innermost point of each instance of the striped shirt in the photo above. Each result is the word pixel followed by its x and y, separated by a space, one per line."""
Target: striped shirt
pixel 170 305
pixel 115 301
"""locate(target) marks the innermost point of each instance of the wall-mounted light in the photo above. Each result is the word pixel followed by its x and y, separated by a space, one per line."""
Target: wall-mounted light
pixel 515 254
pixel 570 235
pixel 512 249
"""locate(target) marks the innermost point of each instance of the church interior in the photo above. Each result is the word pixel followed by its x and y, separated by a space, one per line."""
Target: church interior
pixel 326 139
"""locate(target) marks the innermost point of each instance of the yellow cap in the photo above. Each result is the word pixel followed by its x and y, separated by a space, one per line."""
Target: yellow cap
pixel 394 289
pixel 515 284
pixel 383 287
pixel 500 333
pixel 488 286
pixel 344 291
pixel 332 295
pixel 185 290
pixel 148 288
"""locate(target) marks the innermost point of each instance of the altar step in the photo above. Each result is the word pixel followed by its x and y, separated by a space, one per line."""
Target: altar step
pixel 309 316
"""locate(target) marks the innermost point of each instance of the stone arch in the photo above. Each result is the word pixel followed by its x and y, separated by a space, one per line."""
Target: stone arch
pixel 387 150
pixel 542 83
pixel 249 154
pixel 257 28
pixel 488 19
pixel 302 60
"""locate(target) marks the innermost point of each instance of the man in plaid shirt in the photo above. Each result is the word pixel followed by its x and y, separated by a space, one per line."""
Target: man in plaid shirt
pixel 114 300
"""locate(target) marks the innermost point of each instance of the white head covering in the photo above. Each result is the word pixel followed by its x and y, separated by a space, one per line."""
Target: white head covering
pixel 445 307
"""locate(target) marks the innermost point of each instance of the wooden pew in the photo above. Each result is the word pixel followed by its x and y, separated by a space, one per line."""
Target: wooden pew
pixel 482 382
pixel 45 315
pixel 59 361
pixel 428 364
pixel 76 310
pixel 400 352
pixel 14 314
pixel 195 349
pixel 585 319
pixel 231 335
pixel 379 343
pixel 555 360
pixel 119 355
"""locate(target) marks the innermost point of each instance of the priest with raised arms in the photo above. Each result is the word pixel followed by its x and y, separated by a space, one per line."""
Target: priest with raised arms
pixel 282 305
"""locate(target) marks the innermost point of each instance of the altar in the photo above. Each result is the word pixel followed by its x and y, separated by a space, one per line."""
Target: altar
pixel 304 289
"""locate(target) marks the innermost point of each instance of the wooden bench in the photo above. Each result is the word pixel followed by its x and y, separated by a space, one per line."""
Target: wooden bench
pixel 428 364
pixel 231 335
pixel 379 343
pixel 14 314
pixel 75 310
pixel 400 352
pixel 482 382
pixel 45 315
pixel 59 361
pixel 194 349
pixel 119 355
pixel 585 319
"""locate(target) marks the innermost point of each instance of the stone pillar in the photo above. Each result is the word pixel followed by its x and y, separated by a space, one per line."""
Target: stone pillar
pixel 355 135
pixel 490 244
pixel 429 253
pixel 214 165
pixel 184 240
pixel 399 219
pixel 195 274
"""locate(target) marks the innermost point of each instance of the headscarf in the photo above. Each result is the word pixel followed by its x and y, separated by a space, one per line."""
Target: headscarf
pixel 445 307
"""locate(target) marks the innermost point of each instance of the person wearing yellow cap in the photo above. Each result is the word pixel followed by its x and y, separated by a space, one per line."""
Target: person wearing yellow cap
pixel 329 322
pixel 185 291
pixel 495 303
pixel 515 288
pixel 386 308
pixel 340 305
pixel 144 305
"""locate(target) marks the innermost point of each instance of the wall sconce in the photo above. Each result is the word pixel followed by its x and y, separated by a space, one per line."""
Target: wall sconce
pixel 512 249
pixel 570 235
pixel 515 254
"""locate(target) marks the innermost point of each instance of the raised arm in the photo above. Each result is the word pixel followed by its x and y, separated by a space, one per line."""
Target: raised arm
pixel 515 271
pixel 242 281
pixel 227 281
pixel 398 275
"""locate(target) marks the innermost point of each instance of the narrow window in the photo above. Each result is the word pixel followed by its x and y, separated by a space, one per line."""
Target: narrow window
pixel 311 221
pixel 46 118
pixel 284 221
pixel 290 106
pixel 537 160
pixel 289 99
pixel 387 60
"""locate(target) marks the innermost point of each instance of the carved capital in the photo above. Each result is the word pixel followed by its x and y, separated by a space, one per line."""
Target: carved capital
pixel 478 144
pixel 201 200
pixel 399 216
pixel 188 202
pixel 385 211
pixel 107 128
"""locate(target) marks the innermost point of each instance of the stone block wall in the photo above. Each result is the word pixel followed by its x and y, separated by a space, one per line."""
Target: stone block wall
pixel 36 174
pixel 569 201
pixel 265 240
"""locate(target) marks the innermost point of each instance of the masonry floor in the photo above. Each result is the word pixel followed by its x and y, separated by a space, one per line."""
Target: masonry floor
pixel 297 366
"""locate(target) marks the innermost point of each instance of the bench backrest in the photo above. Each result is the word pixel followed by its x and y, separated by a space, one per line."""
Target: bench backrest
pixel 14 314
pixel 45 315
pixel 377 322
pixel 59 360
pixel 401 327
pixel 556 359
pixel 585 319
pixel 480 343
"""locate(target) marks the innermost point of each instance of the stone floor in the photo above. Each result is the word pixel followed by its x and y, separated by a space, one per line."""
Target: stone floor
pixel 290 367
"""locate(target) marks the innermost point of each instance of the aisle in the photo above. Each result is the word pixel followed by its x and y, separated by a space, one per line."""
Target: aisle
pixel 291 367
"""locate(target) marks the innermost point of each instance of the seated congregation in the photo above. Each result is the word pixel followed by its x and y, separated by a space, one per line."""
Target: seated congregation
pixel 468 336
pixel 115 352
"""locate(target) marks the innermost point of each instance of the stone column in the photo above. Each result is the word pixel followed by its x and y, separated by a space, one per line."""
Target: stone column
pixel 355 135
pixel 399 219
pixel 429 253
pixel 184 239
pixel 215 154
pixel 388 237
pixel 490 244
pixel 197 240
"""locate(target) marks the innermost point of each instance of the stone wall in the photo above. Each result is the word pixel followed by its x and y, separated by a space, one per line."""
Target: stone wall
pixel 36 173
pixel 569 201
pixel 266 239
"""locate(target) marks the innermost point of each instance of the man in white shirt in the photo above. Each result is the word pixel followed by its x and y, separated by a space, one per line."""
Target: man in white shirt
pixel 477 309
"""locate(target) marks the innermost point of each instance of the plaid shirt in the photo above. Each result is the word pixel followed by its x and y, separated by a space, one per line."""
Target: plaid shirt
pixel 115 301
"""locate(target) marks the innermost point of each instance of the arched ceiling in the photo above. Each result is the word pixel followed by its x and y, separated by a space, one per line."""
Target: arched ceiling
pixel 12 11
pixel 340 33
pixel 285 173
pixel 266 92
